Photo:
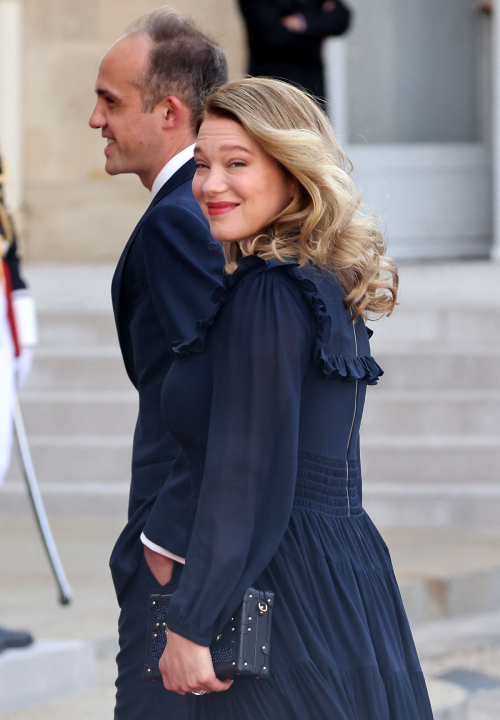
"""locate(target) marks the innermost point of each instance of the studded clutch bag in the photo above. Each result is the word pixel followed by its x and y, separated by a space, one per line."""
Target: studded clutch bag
pixel 242 648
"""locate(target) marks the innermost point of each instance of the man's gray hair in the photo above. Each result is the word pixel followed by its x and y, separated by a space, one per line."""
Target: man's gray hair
pixel 183 61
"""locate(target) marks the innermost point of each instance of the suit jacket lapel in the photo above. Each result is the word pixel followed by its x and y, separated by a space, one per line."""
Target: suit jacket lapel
pixel 117 276
pixel 182 175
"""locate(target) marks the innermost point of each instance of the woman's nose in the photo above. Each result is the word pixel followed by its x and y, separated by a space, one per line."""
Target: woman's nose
pixel 214 182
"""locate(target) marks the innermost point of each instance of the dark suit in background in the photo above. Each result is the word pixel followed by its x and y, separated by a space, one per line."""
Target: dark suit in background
pixel 278 52
pixel 162 286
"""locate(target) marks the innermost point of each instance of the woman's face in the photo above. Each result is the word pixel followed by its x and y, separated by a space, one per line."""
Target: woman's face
pixel 239 186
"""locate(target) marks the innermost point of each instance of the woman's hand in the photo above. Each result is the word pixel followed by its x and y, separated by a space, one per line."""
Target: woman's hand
pixel 187 667
pixel 162 567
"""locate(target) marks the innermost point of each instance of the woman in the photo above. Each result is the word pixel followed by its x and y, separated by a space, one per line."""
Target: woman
pixel 270 427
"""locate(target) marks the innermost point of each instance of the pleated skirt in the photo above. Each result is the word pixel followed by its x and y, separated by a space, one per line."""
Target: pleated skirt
pixel 341 646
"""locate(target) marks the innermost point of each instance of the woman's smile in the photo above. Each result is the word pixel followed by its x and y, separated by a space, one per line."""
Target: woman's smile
pixel 221 208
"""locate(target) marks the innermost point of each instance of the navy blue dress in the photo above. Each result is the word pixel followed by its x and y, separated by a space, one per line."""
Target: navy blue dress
pixel 266 401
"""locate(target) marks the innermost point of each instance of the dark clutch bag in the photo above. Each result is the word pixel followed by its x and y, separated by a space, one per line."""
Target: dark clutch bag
pixel 242 648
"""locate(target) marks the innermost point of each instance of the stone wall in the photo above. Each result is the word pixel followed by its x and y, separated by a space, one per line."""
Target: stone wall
pixel 73 211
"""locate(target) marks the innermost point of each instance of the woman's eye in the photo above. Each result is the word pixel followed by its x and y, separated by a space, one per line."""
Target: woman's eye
pixel 237 163
pixel 200 166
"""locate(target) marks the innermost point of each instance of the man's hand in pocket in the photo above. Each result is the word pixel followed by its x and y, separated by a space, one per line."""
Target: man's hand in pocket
pixel 162 567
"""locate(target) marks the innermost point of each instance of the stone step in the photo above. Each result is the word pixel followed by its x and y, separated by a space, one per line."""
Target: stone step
pixel 63 329
pixel 469 368
pixel 427 460
pixel 79 459
pixel 410 323
pixel 78 369
pixel 65 499
pixel 431 459
pixel 404 505
pixel 97 705
pixel 485 705
pixel 449 701
pixel 71 289
pixel 47 670
pixel 447 637
pixel 465 650
pixel 417 413
pixel 431 506
pixel 446 573
pixel 79 412
pixel 391 413
pixel 101 368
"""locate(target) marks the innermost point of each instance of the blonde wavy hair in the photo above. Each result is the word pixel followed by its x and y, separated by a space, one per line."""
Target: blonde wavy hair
pixel 323 223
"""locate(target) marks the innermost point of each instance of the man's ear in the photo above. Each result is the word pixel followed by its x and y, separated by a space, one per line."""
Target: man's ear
pixel 172 111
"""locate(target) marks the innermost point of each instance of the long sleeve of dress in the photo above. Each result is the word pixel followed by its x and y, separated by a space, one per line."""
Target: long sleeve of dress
pixel 259 351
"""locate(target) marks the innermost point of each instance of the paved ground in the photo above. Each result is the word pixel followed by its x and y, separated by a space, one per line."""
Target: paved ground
pixel 464 650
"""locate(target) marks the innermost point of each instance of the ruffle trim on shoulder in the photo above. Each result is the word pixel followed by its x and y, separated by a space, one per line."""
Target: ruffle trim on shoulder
pixel 182 349
pixel 348 368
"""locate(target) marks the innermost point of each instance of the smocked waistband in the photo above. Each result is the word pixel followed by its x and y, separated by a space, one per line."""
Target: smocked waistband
pixel 327 485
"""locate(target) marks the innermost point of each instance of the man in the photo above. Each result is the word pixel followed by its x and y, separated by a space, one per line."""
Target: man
pixel 150 90
pixel 285 38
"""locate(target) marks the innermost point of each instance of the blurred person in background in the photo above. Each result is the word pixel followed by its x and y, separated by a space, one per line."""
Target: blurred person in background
pixel 17 338
pixel 285 38
pixel 150 88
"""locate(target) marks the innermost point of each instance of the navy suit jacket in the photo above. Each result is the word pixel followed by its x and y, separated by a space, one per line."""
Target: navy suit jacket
pixel 162 286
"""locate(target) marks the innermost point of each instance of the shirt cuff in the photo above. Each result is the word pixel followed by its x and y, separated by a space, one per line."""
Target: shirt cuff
pixel 161 551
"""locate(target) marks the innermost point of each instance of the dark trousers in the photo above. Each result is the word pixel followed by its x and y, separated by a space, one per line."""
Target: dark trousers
pixel 138 699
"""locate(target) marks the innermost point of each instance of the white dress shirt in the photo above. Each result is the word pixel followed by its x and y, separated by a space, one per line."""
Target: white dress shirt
pixel 165 174
pixel 171 167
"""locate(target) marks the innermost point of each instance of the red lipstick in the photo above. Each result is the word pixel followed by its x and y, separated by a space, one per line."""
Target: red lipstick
pixel 220 208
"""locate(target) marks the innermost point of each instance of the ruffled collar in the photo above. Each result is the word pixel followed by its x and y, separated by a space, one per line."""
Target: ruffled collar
pixel 348 368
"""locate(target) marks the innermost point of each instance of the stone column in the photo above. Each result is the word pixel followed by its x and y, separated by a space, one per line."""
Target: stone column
pixel 10 96
pixel 495 252
pixel 334 58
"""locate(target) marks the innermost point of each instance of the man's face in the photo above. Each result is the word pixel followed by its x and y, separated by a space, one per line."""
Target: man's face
pixel 133 136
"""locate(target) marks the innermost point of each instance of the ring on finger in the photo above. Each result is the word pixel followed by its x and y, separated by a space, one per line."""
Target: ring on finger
pixel 198 692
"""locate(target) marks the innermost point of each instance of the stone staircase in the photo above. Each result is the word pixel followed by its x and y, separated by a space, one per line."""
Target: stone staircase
pixel 78 405
pixel 431 430
pixel 430 435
